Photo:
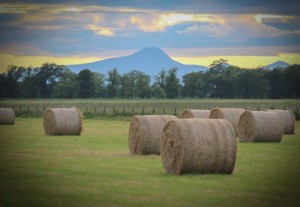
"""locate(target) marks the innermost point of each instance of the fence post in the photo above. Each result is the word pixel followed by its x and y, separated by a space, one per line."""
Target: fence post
pixel 132 110
pixel 143 110
pixel 123 111
pixel 175 112
pixel 153 110
pixel 164 110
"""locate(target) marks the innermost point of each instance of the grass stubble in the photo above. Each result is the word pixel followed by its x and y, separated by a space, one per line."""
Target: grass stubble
pixel 96 169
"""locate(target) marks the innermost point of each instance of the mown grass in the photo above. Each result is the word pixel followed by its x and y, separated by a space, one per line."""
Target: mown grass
pixel 96 169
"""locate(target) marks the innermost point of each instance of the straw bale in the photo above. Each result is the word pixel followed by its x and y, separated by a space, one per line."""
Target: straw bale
pixel 198 146
pixel 63 121
pixel 260 126
pixel 7 116
pixel 191 113
pixel 230 114
pixel 145 132
pixel 288 119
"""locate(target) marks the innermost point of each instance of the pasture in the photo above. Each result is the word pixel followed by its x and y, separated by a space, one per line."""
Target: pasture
pixel 98 108
pixel 96 169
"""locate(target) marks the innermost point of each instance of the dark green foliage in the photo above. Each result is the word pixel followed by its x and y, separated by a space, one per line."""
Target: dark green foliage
pixel 219 81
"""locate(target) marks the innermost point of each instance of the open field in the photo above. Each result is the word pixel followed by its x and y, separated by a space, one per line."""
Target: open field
pixel 96 169
pixel 97 108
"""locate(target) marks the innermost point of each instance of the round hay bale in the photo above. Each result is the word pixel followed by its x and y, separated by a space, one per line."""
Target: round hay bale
pixel 145 133
pixel 63 121
pixel 288 119
pixel 190 113
pixel 7 116
pixel 198 146
pixel 260 126
pixel 230 114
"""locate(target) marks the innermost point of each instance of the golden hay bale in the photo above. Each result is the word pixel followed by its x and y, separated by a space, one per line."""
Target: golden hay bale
pixel 230 114
pixel 7 116
pixel 63 121
pixel 198 146
pixel 190 113
pixel 288 119
pixel 260 126
pixel 145 133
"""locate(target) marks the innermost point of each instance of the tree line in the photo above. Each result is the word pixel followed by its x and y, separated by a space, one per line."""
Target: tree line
pixel 219 81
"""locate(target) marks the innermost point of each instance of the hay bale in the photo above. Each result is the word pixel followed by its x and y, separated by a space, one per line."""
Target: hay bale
pixel 145 133
pixel 198 146
pixel 260 126
pixel 230 114
pixel 288 119
pixel 63 121
pixel 7 116
pixel 190 113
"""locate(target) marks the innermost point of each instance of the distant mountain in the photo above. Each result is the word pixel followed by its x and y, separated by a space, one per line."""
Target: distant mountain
pixel 278 64
pixel 149 60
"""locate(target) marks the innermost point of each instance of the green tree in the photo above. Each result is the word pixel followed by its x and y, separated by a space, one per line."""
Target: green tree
pixel 252 84
pixel 46 78
pixel 193 84
pixel 67 87
pixel 277 83
pixel 12 80
pixel 142 85
pixel 29 87
pixel 157 91
pixel 172 85
pixel 86 84
pixel 292 81
pixel 113 83
pixel 98 80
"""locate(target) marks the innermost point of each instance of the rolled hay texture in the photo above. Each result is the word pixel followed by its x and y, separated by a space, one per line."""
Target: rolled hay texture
pixel 63 121
pixel 288 119
pixel 191 113
pixel 260 126
pixel 230 114
pixel 198 146
pixel 7 116
pixel 145 132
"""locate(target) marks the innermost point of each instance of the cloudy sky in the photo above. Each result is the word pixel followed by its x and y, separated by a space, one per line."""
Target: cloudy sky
pixel 248 33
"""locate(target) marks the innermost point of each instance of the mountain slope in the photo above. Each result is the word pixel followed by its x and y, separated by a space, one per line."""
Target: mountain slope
pixel 278 64
pixel 148 60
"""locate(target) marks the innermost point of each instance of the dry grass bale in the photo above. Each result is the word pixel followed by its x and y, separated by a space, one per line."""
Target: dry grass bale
pixel 288 119
pixel 190 113
pixel 230 114
pixel 63 121
pixel 145 133
pixel 198 146
pixel 260 126
pixel 7 116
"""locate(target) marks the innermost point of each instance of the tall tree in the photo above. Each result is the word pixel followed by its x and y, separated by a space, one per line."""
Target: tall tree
pixel 86 84
pixel 193 85
pixel 47 76
pixel 172 84
pixel 67 87
pixel 292 77
pixel 13 76
pixel 277 83
pixel 113 83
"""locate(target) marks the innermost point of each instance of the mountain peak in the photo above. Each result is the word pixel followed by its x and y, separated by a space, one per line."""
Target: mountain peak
pixel 151 52
pixel 278 64
pixel 150 60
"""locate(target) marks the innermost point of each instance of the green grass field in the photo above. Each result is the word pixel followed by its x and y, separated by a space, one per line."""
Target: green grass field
pixel 98 108
pixel 96 169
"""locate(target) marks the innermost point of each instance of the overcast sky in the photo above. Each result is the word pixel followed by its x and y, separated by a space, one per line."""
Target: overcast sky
pixel 248 33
